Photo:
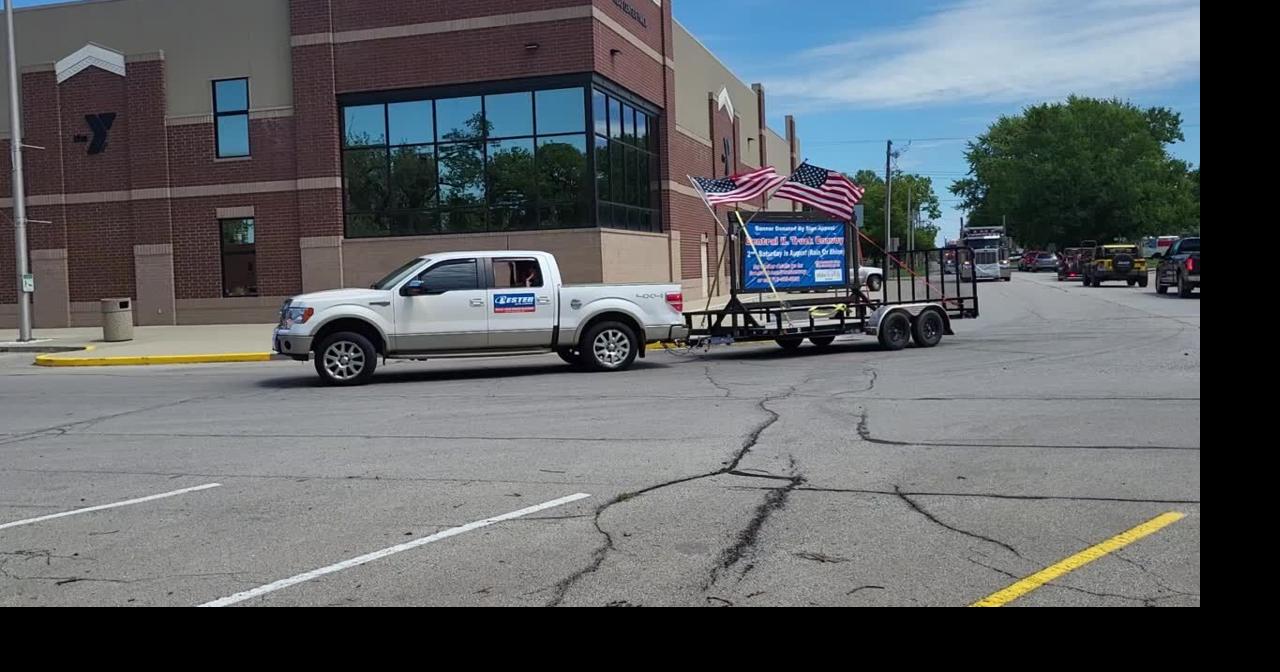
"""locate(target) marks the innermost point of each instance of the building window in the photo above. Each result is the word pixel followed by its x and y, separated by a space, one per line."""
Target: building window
pixel 231 117
pixel 515 160
pixel 477 160
pixel 626 164
pixel 239 263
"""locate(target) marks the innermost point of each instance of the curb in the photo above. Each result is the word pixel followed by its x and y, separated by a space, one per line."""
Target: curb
pixel 147 360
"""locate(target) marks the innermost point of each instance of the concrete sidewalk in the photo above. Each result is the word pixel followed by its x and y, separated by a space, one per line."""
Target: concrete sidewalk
pixel 196 344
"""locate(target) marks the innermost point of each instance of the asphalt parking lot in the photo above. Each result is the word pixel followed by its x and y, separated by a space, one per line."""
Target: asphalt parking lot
pixel 744 476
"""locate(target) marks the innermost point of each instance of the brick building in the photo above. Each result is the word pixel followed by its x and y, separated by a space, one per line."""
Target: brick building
pixel 211 157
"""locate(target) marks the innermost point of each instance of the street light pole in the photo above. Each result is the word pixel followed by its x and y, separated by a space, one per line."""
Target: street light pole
pixel 18 189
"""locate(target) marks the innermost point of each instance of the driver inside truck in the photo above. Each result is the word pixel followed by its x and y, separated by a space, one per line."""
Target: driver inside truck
pixel 527 274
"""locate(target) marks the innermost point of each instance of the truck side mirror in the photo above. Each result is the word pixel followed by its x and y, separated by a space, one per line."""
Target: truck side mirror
pixel 413 288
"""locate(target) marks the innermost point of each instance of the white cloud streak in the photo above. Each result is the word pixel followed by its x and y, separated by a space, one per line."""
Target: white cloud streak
pixel 1005 51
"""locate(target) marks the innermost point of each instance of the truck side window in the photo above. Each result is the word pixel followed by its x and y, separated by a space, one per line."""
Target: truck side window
pixel 449 276
pixel 508 273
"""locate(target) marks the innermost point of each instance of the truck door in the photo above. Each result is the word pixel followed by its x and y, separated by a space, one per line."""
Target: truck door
pixel 522 302
pixel 443 308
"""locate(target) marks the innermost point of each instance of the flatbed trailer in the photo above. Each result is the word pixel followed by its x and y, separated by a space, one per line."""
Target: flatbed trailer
pixel 918 302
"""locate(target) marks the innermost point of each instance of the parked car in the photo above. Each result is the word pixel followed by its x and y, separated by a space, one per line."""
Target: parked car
pixel 1044 261
pixel 871 277
pixel 1157 246
pixel 1027 260
pixel 1180 268
pixel 477 304
pixel 1119 261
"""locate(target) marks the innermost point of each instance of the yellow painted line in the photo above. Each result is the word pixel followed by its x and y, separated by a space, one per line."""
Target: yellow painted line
pixel 1088 555
pixel 145 360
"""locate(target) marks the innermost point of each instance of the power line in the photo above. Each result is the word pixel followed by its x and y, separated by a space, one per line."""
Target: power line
pixel 819 143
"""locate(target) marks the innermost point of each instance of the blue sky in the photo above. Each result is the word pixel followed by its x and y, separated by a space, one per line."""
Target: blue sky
pixel 940 71
pixel 931 73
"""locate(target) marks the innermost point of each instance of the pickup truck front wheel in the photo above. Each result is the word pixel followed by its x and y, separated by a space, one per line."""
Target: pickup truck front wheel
pixel 609 346
pixel 346 358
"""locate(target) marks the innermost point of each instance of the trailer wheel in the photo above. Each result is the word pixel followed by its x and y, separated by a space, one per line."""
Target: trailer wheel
pixel 822 341
pixel 790 344
pixel 928 329
pixel 895 331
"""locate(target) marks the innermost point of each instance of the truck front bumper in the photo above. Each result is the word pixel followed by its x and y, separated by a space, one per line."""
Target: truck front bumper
pixel 291 345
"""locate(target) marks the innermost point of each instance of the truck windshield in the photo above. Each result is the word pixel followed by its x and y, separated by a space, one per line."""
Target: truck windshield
pixel 397 275
pixel 982 243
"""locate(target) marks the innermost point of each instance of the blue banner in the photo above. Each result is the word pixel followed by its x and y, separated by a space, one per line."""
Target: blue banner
pixel 797 255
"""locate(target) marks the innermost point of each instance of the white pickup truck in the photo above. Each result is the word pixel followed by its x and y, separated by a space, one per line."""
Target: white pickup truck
pixel 476 304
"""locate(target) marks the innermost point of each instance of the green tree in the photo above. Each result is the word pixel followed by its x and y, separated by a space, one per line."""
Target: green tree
pixel 923 201
pixel 1083 169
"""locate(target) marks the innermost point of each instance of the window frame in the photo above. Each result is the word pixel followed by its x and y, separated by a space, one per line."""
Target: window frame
pixel 223 254
pixel 217 133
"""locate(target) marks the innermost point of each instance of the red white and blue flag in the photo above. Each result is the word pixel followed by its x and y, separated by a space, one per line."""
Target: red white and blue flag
pixel 745 187
pixel 821 189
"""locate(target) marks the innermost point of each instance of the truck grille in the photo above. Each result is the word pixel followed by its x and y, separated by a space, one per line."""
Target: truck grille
pixel 986 257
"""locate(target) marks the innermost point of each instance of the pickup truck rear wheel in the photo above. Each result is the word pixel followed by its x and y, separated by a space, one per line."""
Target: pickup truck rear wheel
pixel 346 358
pixel 1161 288
pixel 609 346
pixel 1184 287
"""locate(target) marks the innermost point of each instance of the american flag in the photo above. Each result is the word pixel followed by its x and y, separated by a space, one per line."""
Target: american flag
pixel 744 187
pixel 822 189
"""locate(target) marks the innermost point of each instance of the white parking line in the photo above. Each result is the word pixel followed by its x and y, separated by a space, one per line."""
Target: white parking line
pixel 102 507
pixel 376 555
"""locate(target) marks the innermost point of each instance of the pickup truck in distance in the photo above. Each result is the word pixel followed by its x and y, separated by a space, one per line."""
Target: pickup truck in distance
pixel 477 304
pixel 1180 267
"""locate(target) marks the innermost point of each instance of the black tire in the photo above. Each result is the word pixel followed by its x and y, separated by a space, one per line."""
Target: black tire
pixel 609 346
pixel 1184 287
pixel 1085 280
pixel 895 331
pixel 874 282
pixel 571 357
pixel 1142 282
pixel 928 328
pixel 822 341
pixel 1131 282
pixel 1161 288
pixel 346 359
pixel 1007 279
pixel 790 344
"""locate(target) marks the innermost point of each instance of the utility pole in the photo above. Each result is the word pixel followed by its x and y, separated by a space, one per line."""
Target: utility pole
pixel 911 220
pixel 888 197
pixel 18 191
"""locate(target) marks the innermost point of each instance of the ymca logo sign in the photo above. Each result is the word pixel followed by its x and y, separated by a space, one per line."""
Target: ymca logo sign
pixel 100 125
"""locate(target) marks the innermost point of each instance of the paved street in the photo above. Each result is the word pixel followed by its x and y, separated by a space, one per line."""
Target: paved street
pixel 744 476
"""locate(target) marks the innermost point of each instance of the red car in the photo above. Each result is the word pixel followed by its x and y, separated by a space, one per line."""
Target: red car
pixel 1028 260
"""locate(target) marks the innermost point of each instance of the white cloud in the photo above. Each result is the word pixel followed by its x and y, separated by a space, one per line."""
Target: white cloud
pixel 1004 51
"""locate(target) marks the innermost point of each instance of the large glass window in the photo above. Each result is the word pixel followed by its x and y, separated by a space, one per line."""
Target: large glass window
pixel 503 161
pixel 625 165
pixel 510 160
pixel 231 117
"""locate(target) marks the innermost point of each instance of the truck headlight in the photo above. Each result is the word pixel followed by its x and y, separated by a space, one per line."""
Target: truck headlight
pixel 294 315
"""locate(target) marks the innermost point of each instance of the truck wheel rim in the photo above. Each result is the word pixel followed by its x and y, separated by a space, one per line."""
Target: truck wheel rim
pixel 611 347
pixel 344 360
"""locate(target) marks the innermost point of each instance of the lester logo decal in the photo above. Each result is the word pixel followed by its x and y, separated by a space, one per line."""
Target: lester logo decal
pixel 515 303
